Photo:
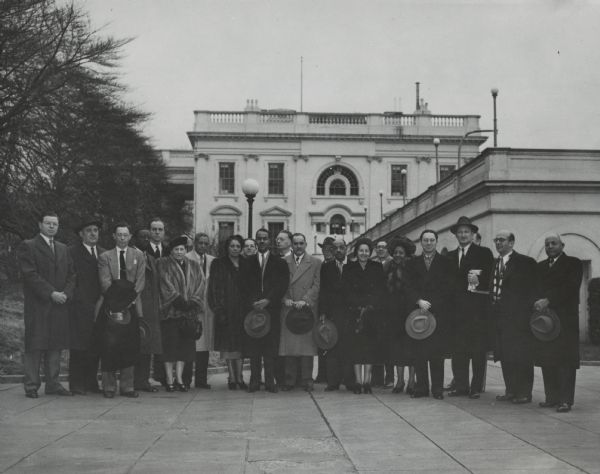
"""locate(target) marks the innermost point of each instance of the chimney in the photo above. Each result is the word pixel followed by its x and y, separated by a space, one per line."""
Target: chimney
pixel 418 102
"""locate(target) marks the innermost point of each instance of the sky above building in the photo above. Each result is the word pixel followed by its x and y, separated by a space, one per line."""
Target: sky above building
pixel 364 56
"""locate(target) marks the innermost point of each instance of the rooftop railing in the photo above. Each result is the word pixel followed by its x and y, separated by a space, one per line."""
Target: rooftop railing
pixel 289 121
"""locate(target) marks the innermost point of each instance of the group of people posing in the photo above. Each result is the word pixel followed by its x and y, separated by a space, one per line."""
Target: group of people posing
pixel 146 307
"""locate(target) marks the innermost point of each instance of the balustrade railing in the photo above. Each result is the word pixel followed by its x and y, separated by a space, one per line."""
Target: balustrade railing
pixel 337 119
pixel 227 117
pixel 447 121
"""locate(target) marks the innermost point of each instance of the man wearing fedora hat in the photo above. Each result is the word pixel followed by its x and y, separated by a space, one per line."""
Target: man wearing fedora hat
pixel 303 295
pixel 512 294
pixel 472 265
pixel 556 347
pixel 83 363
pixel 265 280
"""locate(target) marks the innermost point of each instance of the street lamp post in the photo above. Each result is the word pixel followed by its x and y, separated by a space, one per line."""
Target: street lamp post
pixel 436 144
pixel 380 205
pixel 404 185
pixel 494 92
pixel 250 189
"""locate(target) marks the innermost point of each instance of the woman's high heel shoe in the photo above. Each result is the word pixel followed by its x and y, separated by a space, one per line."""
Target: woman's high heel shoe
pixel 170 387
pixel 357 389
pixel 182 387
pixel 399 388
pixel 367 388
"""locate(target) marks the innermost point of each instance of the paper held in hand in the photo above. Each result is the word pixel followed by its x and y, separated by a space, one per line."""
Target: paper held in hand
pixel 473 278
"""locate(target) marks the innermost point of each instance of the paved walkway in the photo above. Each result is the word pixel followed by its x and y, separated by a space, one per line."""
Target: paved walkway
pixel 222 431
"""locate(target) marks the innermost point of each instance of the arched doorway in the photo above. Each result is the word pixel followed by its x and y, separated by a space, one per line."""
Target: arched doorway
pixel 337 225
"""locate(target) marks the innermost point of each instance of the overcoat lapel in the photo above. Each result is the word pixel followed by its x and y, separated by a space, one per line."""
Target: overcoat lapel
pixel 44 247
pixel 299 270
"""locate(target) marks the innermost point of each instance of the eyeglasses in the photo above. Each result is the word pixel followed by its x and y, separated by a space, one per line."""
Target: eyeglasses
pixel 499 240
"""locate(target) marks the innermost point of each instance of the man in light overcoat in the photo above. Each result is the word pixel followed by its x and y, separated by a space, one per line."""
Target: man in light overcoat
pixel 303 291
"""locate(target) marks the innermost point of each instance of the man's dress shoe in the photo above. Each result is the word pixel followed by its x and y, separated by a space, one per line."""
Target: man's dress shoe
pixel 61 391
pixel 504 398
pixel 331 388
pixel 474 395
pixel 521 400
pixel 547 404
pixel 130 394
pixel 109 394
pixel 203 385
pixel 253 387
pixel 31 393
pixel 438 396
pixel 458 393
pixel 563 408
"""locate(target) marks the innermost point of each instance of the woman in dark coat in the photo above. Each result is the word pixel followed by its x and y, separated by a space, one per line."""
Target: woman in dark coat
pixel 363 285
pixel 225 298
pixel 401 250
pixel 182 304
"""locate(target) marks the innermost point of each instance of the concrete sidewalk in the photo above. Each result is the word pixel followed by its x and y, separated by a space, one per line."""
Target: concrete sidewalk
pixel 222 431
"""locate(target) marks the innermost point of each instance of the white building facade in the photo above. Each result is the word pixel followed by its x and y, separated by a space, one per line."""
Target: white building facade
pixel 319 173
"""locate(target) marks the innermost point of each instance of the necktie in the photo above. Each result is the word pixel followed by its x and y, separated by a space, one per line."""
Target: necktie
pixel 156 251
pixel 498 275
pixel 340 265
pixel 51 244
pixel 204 264
pixel 550 262
pixel 461 256
pixel 94 253
pixel 122 266
pixel 297 261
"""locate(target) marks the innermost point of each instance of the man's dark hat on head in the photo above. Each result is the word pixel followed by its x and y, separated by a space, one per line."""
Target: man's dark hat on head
pixel 327 241
pixel 463 220
pixel 90 220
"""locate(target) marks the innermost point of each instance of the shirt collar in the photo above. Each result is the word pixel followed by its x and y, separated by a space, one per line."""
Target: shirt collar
pixel 119 250
pixel 506 257
pixel 89 247
pixel 47 239
pixel 466 248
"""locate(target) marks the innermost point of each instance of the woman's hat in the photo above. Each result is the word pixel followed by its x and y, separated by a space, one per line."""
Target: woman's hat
pixel 420 324
pixel 327 241
pixel 463 220
pixel 257 323
pixel 300 321
pixel 177 241
pixel 545 325
pixel 325 334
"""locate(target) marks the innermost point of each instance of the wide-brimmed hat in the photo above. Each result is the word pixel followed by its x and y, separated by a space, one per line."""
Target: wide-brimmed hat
pixel 120 295
pixel 145 330
pixel 300 321
pixel 327 241
pixel 545 325
pixel 464 220
pixel 90 220
pixel 420 324
pixel 257 323
pixel 325 334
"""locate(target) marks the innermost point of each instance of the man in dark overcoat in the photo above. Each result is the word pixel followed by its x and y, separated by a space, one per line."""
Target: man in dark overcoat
pixel 512 292
pixel 83 361
pixel 265 281
pixel 151 344
pixel 559 278
pixel 48 284
pixel 430 287
pixel 472 266
pixel 332 306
